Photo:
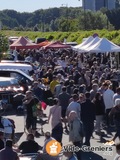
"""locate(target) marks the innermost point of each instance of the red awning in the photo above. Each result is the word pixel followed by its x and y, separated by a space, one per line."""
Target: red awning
pixel 56 45
pixel 23 43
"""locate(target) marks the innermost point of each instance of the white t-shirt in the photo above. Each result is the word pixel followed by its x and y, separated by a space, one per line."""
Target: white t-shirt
pixel 108 99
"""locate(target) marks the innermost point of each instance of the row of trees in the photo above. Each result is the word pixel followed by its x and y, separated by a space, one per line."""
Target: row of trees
pixel 60 19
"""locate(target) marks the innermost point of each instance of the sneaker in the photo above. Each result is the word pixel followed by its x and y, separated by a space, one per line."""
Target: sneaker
pixel 111 143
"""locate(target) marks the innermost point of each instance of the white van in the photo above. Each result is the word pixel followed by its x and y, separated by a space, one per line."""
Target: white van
pixel 23 67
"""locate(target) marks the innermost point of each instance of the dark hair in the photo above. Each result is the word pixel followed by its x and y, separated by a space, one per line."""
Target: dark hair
pixel 9 143
pixel 31 136
pixel 47 135
pixel 75 96
pixel 55 101
pixel 63 88
pixel 118 90
pixel 87 95
pixel 76 90
pixel 97 95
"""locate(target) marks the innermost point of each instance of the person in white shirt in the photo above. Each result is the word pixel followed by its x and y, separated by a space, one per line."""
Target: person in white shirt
pixel 74 106
pixel 108 101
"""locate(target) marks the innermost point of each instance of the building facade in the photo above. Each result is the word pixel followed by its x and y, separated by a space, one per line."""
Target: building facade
pixel 95 5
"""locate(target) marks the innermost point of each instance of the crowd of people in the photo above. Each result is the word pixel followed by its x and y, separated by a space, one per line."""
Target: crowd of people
pixel 83 90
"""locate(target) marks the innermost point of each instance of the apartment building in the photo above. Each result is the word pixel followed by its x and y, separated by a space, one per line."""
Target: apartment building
pixel 95 5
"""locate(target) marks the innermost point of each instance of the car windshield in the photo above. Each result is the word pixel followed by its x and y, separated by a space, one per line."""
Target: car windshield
pixel 10 82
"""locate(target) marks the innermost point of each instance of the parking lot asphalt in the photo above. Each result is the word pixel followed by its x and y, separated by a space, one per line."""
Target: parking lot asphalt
pixel 102 151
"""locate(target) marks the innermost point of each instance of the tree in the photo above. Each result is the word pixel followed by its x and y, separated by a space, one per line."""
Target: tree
pixel 93 20
pixel 3 44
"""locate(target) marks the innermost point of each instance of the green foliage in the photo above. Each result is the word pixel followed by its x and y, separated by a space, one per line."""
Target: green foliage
pixel 64 19
pixel 3 43
pixel 114 36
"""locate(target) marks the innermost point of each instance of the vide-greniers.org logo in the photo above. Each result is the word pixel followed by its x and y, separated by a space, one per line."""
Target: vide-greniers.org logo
pixel 54 148
pixel 106 150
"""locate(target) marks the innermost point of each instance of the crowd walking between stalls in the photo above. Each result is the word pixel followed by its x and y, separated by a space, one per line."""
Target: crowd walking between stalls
pixel 78 87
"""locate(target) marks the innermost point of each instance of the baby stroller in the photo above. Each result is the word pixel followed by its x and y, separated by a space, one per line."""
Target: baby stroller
pixel 39 114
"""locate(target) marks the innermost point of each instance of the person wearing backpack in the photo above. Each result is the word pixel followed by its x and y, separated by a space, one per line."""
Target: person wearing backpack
pixel 75 128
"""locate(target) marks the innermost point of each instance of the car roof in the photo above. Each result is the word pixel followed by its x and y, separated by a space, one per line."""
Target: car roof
pixel 12 61
pixel 15 64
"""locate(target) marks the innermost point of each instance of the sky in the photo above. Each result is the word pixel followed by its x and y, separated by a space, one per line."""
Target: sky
pixel 33 5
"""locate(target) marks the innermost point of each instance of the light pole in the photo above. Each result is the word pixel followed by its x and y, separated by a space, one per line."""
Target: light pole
pixel 66 6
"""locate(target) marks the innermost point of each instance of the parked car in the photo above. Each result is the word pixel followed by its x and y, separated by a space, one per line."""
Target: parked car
pixel 23 67
pixel 15 73
pixel 8 83
pixel 8 88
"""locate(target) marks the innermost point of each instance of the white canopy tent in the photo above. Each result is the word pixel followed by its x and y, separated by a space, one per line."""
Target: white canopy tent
pixel 89 39
pixel 90 44
pixel 102 46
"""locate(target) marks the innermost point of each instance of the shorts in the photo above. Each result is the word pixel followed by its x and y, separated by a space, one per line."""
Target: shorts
pixel 31 122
